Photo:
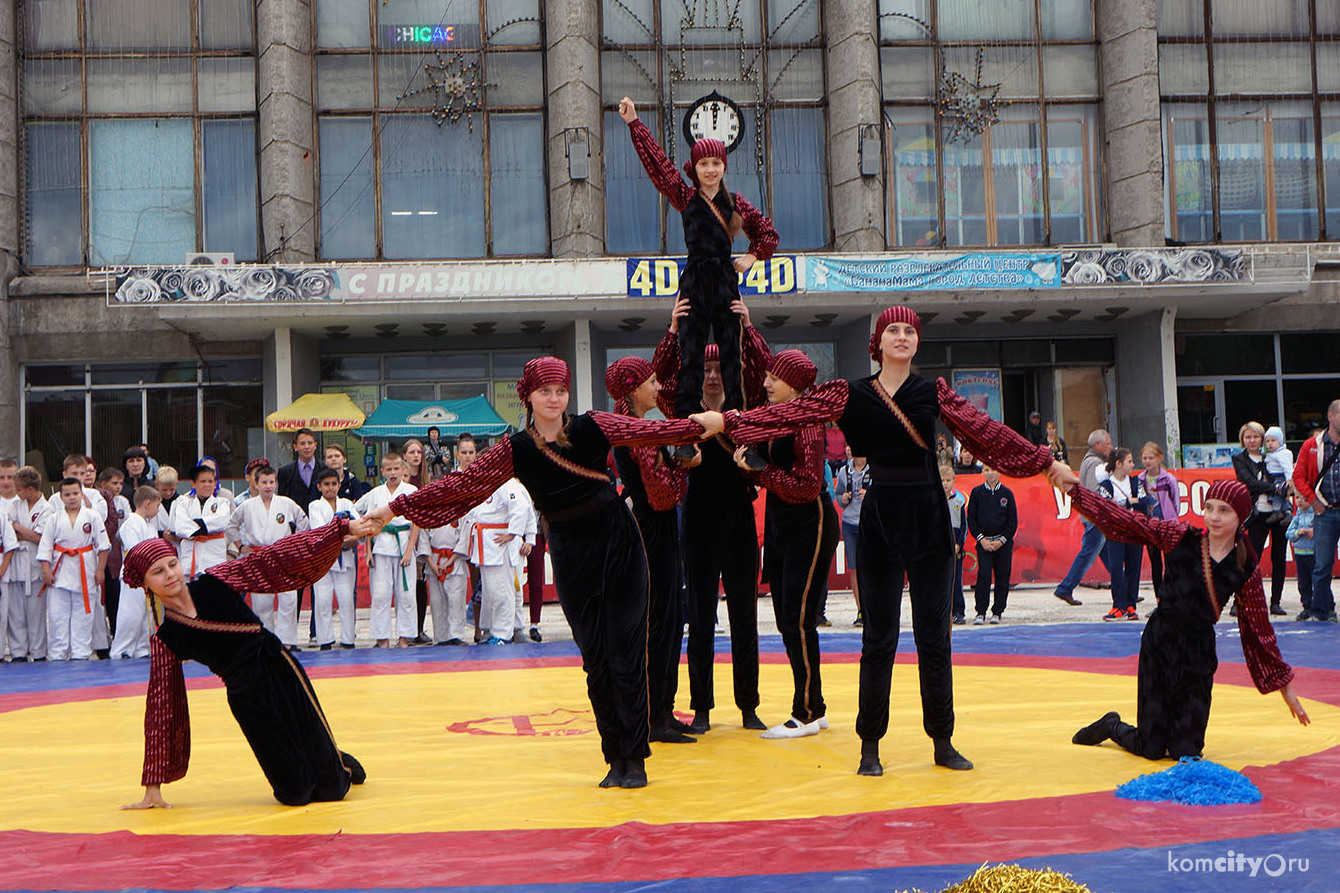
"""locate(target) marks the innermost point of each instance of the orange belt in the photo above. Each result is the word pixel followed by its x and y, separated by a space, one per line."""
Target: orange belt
pixel 201 539
pixel 83 569
pixel 443 571
pixel 477 544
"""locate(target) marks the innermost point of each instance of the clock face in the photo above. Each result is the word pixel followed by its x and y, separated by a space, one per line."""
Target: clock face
pixel 714 117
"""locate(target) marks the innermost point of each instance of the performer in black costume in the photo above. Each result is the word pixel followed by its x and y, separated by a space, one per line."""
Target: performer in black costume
pixel 270 696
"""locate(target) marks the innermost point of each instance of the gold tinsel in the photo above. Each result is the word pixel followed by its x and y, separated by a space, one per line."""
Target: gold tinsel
pixel 1015 879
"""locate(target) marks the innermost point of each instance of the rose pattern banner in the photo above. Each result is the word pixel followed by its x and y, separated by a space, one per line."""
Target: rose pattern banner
pixel 223 283
pixel 1154 266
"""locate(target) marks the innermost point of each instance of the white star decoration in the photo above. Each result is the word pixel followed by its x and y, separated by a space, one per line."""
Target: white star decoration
pixel 969 107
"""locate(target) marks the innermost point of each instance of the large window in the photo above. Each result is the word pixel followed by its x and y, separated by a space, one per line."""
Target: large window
pixel 431 129
pixel 183 409
pixel 950 185
pixel 1251 119
pixel 140 131
pixel 766 56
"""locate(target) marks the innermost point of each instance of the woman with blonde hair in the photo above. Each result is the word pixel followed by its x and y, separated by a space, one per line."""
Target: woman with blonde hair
pixel 1161 486
pixel 1250 467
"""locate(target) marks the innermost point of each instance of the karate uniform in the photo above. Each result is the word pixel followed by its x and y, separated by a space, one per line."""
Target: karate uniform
pixel 93 499
pixel 132 611
pixel 197 551
pixel 337 586
pixel 257 524
pixel 521 564
pixel 72 548
pixel 448 580
pixel 505 511
pixel 390 583
pixel 27 617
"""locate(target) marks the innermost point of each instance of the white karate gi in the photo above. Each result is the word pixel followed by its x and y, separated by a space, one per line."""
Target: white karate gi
pixel 132 611
pixel 390 583
pixel 72 547
pixel 337 585
pixel 255 524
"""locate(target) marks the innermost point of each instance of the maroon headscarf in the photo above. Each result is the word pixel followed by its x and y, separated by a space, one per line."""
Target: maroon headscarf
pixel 624 376
pixel 139 559
pixel 704 148
pixel 1236 495
pixel 794 368
pixel 888 318
pixel 539 372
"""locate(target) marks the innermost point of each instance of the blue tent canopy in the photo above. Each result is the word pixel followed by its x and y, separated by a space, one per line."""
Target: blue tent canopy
pixel 413 418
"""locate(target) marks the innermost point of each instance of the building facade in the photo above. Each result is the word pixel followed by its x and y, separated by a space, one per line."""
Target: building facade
pixel 1122 214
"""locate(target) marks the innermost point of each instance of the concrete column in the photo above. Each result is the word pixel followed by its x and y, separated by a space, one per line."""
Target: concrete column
pixel 10 442
pixel 292 368
pixel 583 360
pixel 1146 393
pixel 576 207
pixel 1132 136
pixel 852 67
pixel 287 125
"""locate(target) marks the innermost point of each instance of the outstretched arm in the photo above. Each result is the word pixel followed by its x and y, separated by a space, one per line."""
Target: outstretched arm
pixel 762 236
pixel 992 442
pixel 295 562
pixel 622 430
pixel 1259 646
pixel 824 404
pixel 443 501
pixel 1124 525
pixel 662 172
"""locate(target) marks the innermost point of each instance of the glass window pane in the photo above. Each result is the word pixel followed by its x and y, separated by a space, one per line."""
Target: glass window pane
pixel 393 14
pixel 1249 401
pixel 233 418
pixel 518 196
pixel 1295 159
pixel 54 428
pixel 1225 355
pixel 904 20
pixel 432 189
pixel 141 213
pixel 799 193
pixel 703 23
pixel 1067 20
pixel 53 207
pixel 1258 18
pixel 53 87
pixel 1305 402
pixel 347 216
pixel 913 192
pixel 54 376
pixel 140 85
pixel 227 85
pixel 796 75
pixel 1262 68
pixel 144 373
pixel 632 204
pixel 342 23
pixel 226 25
pixel 515 79
pixel 230 187
pixel 413 367
pixel 971 20
pixel 1014 68
pixel 628 21
pixel 1310 352
pixel 907 73
pixel 1070 71
pixel 116 423
pixel 505 27
pixel 1181 18
pixel 51 25
pixel 1183 68
pixel 1242 173
pixel 172 427
pixel 964 193
pixel 402 82
pixel 241 370
pixel 630 73
pixel 1330 153
pixel 344 82
pixel 1072 156
pixel 127 25
pixel 1328 18
pixel 1328 67
pixel 793 21
pixel 350 368
pixel 1187 173
pixel 1016 166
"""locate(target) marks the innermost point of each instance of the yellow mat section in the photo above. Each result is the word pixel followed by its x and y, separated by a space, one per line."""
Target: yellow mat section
pixel 503 749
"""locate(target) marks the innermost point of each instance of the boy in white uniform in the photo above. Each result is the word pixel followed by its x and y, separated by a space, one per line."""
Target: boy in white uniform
pixel 73 553
pixel 132 610
pixel 7 498
pixel 448 583
pixel 263 520
pixel 200 521
pixel 391 570
pixel 27 516
pixel 492 526
pixel 77 467
pixel 338 585
pixel 521 547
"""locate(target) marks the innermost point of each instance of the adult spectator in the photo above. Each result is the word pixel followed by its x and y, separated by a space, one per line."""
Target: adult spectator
pixel 852 481
pixel 1316 476
pixel 1056 444
pixel 151 468
pixel 136 465
pixel 966 463
pixel 351 488
pixel 1033 430
pixel 437 454
pixel 1250 467
pixel 1091 469
pixel 416 462
pixel 297 480
pixel 1161 486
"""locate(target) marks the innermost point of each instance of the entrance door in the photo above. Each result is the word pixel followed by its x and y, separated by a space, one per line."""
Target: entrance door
pixel 1081 394
pixel 1200 410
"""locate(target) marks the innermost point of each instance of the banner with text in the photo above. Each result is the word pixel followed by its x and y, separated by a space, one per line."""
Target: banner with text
pixel 658 277
pixel 928 272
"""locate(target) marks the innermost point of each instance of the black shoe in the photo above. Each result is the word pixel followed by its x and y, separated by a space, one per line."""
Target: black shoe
pixel 700 723
pixel 1098 732
pixel 422 639
pixel 753 460
pixel 535 634
pixel 870 765
pixel 1277 609
pixel 823 621
pixel 293 649
pixel 1305 615
pixel 750 720
pixel 675 725
pixel 859 621
pixel 666 735
pixel 1233 611
pixel 327 646
pixel 455 641
pixel 614 778
pixel 947 756
pixel 347 645
pixel 103 653
pixel 1106 584
pixel 1068 599
pixel 959 620
pixel 356 773
pixel 635 774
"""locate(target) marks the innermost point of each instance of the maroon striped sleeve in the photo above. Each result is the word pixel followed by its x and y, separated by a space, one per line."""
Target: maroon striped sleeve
pixel 659 168
pixel 294 562
pixel 762 235
pixel 755 357
pixel 444 501
pixel 804 480
pixel 1125 526
pixel 1259 645
pixel 665 363
pixel 824 404
pixel 665 482
pixel 167 721
pixel 623 430
pixel 992 442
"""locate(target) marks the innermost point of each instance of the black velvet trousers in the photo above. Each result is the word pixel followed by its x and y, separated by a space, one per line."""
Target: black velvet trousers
pixel 710 284
pixel 665 614
pixel 1176 677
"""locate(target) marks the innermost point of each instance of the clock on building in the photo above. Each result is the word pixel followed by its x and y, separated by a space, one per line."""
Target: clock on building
pixel 714 117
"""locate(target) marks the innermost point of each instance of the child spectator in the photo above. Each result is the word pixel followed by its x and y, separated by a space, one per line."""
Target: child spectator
pixel 391 559
pixel 249 475
pixel 1123 559
pixel 73 553
pixel 1279 468
pixel 132 613
pixel 959 522
pixel 77 467
pixel 1304 552
pixel 351 488
pixel 337 586
pixel 200 521
pixel 448 582
pixel 109 481
pixel 993 519
pixel 263 520
pixel 26 518
pixel 853 478
pixel 166 482
pixel 1161 487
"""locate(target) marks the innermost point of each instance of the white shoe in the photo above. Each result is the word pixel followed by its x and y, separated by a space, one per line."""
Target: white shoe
pixel 822 722
pixel 792 728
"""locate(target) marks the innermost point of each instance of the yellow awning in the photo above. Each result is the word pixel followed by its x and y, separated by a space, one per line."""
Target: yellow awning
pixel 320 412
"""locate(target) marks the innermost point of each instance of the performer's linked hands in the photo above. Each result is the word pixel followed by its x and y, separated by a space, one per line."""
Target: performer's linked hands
pixel 713 423
pixel 382 516
pixel 627 110
pixel 1295 706
pixel 153 799
pixel 739 457
pixel 742 265
pixel 680 310
pixel 1062 476
pixel 361 527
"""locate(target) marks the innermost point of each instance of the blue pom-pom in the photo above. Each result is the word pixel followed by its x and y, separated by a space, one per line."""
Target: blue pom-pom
pixel 1194 782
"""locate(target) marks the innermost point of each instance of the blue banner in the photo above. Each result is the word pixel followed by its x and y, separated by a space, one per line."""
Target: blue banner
pixel 929 272
pixel 658 277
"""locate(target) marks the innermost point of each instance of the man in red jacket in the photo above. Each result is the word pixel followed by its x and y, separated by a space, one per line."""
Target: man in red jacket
pixel 1317 478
